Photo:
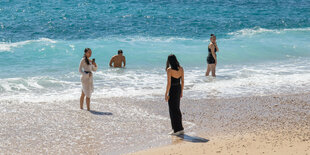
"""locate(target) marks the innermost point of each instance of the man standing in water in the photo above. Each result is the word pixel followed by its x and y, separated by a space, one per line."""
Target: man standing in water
pixel 118 60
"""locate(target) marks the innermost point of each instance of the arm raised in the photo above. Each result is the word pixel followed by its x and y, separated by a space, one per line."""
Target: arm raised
pixel 94 66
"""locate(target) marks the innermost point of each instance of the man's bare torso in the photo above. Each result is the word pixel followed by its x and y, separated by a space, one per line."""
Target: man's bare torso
pixel 118 60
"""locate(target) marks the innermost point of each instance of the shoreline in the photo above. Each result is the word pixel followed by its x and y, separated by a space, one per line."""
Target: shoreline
pixel 128 125
pixel 282 128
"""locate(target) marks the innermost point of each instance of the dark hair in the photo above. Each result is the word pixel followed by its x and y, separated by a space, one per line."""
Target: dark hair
pixel 119 51
pixel 86 59
pixel 173 62
pixel 212 35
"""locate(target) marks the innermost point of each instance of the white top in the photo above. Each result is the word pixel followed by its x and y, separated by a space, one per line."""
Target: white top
pixel 87 81
pixel 84 67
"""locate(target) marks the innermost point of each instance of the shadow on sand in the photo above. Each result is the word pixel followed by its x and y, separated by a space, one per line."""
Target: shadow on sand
pixel 100 113
pixel 192 139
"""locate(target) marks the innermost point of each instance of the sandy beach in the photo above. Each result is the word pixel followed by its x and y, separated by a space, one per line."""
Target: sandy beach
pixel 258 103
pixel 254 125
pixel 251 125
pixel 279 142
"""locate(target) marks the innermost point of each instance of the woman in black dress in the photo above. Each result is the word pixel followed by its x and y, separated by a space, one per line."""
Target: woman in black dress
pixel 174 92
pixel 212 59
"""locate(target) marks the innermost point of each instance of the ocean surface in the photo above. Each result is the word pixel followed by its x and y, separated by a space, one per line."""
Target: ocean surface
pixel 264 47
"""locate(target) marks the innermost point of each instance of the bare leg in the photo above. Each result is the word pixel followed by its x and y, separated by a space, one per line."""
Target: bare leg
pixel 208 70
pixel 82 100
pixel 213 70
pixel 88 103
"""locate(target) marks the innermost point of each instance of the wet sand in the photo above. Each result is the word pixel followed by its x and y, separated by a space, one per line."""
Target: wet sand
pixel 116 126
pixel 126 125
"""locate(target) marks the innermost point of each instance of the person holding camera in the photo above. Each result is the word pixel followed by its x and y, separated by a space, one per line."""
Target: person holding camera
pixel 86 68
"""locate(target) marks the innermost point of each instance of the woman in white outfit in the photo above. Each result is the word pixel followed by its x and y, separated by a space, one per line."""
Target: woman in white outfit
pixel 86 68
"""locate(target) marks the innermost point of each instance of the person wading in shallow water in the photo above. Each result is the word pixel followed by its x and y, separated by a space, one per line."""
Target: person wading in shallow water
pixel 212 59
pixel 174 93
pixel 118 60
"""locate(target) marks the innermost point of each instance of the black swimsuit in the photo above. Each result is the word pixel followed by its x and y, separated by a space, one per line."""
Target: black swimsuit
pixel 210 58
pixel 174 104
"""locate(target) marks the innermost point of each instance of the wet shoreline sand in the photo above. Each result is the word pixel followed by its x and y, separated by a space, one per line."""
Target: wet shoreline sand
pixel 126 125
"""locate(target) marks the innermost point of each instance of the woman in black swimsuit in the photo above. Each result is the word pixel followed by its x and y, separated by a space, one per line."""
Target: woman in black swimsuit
pixel 174 92
pixel 212 59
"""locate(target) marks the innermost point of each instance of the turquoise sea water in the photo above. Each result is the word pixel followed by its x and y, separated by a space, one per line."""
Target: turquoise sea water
pixel 264 47
pixel 81 19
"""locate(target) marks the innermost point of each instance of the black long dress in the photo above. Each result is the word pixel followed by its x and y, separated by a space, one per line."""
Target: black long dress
pixel 174 105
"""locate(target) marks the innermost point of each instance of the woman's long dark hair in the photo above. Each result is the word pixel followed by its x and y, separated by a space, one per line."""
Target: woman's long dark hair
pixel 86 59
pixel 173 62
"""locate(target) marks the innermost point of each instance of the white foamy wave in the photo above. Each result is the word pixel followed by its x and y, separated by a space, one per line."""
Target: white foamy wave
pixel 7 47
pixel 258 80
pixel 41 84
pixel 232 81
pixel 259 30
